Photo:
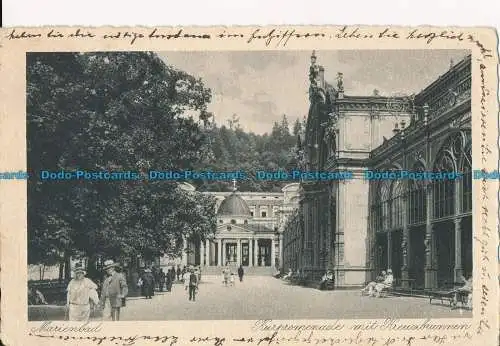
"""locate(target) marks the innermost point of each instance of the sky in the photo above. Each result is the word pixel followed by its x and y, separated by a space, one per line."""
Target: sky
pixel 260 86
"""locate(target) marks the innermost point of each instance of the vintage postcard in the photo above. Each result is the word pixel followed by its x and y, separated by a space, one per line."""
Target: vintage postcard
pixel 324 185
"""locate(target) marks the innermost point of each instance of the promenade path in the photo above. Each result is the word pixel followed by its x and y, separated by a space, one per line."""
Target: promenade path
pixel 263 297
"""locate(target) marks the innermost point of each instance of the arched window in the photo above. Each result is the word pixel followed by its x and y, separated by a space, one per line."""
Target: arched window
pixel 466 170
pixel 380 206
pixel 397 204
pixel 332 144
pixel 417 201
pixel 444 189
pixel 385 195
pixel 375 210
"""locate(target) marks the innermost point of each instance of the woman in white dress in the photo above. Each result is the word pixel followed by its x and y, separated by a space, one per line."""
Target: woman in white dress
pixel 81 293
pixel 185 278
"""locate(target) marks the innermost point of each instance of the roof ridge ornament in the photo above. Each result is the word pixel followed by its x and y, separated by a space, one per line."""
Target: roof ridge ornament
pixel 234 185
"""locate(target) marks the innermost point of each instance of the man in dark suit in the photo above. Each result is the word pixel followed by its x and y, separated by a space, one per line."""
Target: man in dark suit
pixel 240 273
pixel 148 283
pixel 193 285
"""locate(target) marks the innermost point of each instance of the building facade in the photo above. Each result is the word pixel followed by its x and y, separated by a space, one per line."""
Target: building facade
pixel 249 229
pixel 358 227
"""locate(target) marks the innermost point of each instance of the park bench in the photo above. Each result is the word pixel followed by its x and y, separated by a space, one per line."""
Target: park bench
pixel 295 280
pixel 442 295
pixel 329 285
pixel 411 284
pixel 54 291
pixel 448 295
pixel 387 291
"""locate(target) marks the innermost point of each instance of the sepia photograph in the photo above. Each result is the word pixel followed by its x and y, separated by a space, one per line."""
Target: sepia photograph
pixel 249 185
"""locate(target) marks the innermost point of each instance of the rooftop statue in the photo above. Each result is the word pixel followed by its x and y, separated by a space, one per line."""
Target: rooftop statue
pixel 340 82
pixel 313 70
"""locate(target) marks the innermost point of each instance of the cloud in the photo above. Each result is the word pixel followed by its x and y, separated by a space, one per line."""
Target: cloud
pixel 262 86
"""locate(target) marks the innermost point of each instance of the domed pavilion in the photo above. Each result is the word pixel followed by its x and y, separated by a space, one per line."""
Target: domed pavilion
pixel 247 232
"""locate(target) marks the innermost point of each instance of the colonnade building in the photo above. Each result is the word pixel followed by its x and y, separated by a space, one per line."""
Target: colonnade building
pixel 421 229
pixel 249 230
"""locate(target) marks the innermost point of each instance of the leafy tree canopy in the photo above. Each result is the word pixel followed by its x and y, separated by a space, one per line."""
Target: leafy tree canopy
pixel 111 112
pixel 124 111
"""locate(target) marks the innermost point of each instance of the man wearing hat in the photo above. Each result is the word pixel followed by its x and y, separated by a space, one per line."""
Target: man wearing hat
pixel 193 285
pixel 115 288
pixel 81 291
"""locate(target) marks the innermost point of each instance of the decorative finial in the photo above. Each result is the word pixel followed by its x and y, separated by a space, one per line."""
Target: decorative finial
pixel 375 92
pixel 234 185
pixel 451 63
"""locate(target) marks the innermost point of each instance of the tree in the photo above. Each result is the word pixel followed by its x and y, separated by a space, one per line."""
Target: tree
pixel 297 128
pixel 235 149
pixel 234 122
pixel 285 128
pixel 110 112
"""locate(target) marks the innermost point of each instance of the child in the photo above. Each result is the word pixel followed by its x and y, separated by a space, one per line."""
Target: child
pixel 232 279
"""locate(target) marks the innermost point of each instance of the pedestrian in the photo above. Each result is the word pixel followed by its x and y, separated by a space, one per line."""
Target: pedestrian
pixel 161 280
pixel 327 281
pixel 134 278
pixel 140 282
pixel 240 273
pixel 179 272
pixel 197 272
pixel 231 280
pixel 168 280
pixel 156 277
pixel 114 289
pixel 380 286
pixel 466 290
pixel 124 274
pixel 35 297
pixel 172 278
pixel 185 278
pixel 173 275
pixel 225 273
pixel 148 283
pixel 81 293
pixel 371 285
pixel 193 285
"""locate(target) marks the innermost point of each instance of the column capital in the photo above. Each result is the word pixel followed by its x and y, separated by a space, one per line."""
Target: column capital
pixel 458 223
